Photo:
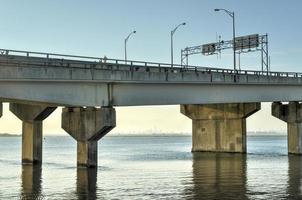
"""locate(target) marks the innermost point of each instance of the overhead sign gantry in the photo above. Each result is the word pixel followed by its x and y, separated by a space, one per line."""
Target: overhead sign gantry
pixel 243 44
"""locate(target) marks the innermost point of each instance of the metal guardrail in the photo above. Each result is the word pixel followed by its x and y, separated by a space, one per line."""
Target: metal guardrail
pixel 67 60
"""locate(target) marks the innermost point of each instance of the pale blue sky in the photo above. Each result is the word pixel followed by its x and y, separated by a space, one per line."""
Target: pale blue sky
pixel 98 28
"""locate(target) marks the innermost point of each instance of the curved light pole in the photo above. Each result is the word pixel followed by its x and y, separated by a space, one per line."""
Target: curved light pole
pixel 172 33
pixel 231 14
pixel 126 40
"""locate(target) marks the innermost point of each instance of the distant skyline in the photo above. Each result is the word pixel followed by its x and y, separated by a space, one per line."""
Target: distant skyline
pixel 98 28
pixel 145 119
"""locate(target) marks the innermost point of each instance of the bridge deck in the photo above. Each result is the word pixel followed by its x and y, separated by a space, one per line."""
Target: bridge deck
pixel 178 73
pixel 89 81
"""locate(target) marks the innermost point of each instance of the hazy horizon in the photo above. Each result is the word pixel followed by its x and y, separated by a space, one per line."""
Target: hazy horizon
pixel 145 120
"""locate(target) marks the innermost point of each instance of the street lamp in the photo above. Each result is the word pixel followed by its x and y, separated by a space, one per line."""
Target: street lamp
pixel 231 14
pixel 172 33
pixel 126 40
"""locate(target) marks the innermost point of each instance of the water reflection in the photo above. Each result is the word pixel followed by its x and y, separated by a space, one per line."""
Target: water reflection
pixel 218 176
pixel 86 183
pixel 294 186
pixel 31 182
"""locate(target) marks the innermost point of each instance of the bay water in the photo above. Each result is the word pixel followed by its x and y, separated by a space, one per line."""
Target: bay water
pixel 152 167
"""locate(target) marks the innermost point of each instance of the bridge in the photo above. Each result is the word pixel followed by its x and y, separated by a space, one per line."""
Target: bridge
pixel 88 88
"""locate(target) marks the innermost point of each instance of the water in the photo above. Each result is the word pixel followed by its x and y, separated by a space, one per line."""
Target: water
pixel 152 168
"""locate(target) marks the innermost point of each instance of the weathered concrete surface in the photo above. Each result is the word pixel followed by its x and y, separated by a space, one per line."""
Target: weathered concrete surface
pixel 84 83
pixel 87 153
pixel 86 183
pixel 291 114
pixel 87 126
pixel 32 117
pixel 31 182
pixel 219 127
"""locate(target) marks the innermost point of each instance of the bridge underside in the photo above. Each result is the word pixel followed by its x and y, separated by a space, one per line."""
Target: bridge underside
pixel 61 82
pixel 76 93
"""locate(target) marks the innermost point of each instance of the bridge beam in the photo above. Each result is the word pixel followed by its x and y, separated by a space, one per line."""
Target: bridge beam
pixel 32 117
pixel 219 127
pixel 87 126
pixel 291 113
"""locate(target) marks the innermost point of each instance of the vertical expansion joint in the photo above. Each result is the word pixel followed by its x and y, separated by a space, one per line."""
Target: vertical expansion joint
pixel 1 109
pixel 110 94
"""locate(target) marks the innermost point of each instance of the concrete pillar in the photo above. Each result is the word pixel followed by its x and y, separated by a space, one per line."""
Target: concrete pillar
pixel 294 174
pixel 32 117
pixel 86 183
pixel 31 182
pixel 219 127
pixel 291 113
pixel 87 126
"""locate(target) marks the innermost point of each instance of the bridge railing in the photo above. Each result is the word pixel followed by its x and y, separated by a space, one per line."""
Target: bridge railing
pixel 74 59
pixel 84 61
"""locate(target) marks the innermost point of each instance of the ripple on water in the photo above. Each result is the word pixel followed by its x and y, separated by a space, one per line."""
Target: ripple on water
pixel 154 168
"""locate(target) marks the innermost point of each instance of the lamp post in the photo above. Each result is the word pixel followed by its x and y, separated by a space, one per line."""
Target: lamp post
pixel 231 14
pixel 126 40
pixel 172 33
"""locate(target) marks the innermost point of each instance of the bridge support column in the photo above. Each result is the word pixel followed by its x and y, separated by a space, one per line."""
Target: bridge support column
pixel 32 117
pixel 219 127
pixel 31 182
pixel 87 126
pixel 86 183
pixel 292 114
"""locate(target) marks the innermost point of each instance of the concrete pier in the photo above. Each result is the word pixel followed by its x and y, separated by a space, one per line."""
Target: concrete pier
pixel 87 126
pixel 219 127
pixel 291 113
pixel 32 117
pixel 86 183
pixel 31 182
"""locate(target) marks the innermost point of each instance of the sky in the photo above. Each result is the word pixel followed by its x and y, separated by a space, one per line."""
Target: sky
pixel 98 28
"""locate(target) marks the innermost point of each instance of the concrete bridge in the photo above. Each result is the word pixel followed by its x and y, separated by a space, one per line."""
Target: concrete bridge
pixel 217 100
